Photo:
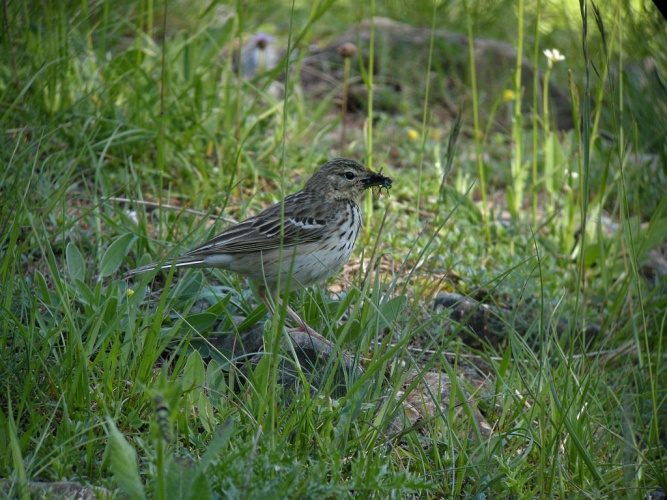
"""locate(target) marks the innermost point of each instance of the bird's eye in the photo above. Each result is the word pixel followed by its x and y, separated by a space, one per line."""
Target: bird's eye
pixel 348 175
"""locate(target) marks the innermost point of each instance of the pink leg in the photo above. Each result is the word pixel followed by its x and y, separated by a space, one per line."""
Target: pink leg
pixel 261 291
pixel 303 326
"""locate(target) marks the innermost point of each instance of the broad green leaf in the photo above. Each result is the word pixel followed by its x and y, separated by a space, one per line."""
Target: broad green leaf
pixel 193 382
pixel 255 315
pixel 216 375
pixel 83 293
pixel 592 255
pixel 123 464
pixel 47 296
pixel 179 478
pixel 114 255
pixel 219 307
pixel 220 439
pixel 391 310
pixel 201 322
pixel 205 411
pixel 654 235
pixel 194 372
pixel 15 448
pixel 200 488
pixel 76 266
pixel 187 288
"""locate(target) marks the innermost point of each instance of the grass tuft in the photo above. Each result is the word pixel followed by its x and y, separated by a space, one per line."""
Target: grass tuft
pixel 129 134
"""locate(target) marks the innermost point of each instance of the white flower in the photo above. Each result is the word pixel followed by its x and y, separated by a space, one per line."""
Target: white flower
pixel 133 216
pixel 553 56
pixel 574 175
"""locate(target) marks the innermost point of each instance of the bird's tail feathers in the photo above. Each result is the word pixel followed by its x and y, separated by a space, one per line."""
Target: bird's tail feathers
pixel 167 266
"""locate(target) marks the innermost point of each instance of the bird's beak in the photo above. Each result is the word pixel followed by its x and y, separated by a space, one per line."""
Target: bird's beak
pixel 373 179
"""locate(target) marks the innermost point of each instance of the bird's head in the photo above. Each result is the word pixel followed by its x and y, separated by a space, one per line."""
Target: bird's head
pixel 343 179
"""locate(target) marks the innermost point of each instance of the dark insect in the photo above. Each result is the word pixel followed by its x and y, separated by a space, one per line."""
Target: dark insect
pixel 386 183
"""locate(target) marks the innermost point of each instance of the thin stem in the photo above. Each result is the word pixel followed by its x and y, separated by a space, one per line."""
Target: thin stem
pixel 517 173
pixel 536 80
pixel 343 118
pixel 475 116
pixel 369 125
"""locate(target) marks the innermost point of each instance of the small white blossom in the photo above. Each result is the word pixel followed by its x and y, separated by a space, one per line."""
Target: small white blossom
pixel 553 56
pixel 133 216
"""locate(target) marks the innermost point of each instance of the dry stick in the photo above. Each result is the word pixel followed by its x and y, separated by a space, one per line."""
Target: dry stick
pixel 173 207
pixel 623 350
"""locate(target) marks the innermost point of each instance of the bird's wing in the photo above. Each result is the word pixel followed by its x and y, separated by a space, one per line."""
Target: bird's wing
pixel 262 233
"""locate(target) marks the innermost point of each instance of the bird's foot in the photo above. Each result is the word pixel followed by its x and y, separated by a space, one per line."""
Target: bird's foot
pixel 304 328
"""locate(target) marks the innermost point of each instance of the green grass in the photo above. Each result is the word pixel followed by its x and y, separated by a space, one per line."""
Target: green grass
pixel 125 134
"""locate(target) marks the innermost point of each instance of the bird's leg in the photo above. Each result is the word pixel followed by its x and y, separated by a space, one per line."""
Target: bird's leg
pixel 261 291
pixel 303 326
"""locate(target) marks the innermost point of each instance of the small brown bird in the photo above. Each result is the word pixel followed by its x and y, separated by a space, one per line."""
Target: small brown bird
pixel 303 240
